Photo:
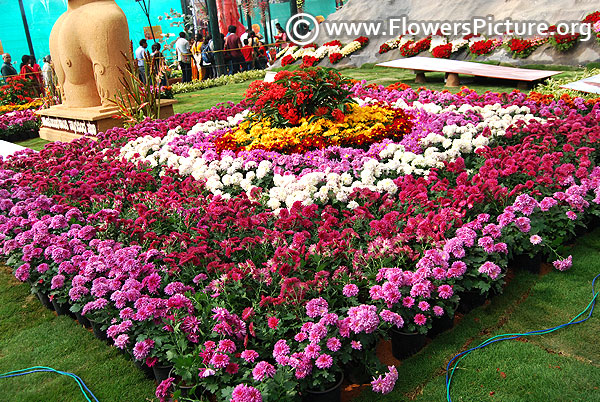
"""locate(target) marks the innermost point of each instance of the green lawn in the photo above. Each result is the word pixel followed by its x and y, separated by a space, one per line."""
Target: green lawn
pixel 204 99
pixel 30 336
pixel 35 143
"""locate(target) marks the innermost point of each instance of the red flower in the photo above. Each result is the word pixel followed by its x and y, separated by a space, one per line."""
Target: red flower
pixel 273 322
pixel 338 115
pixel 335 57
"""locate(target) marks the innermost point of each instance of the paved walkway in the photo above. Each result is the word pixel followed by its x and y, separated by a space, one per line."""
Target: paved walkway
pixel 8 148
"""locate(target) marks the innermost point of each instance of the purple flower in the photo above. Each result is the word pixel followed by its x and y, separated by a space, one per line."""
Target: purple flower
pixel 563 265
pixel 386 384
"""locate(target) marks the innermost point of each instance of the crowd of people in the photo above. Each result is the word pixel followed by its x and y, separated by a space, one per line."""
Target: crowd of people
pixel 196 56
pixel 29 69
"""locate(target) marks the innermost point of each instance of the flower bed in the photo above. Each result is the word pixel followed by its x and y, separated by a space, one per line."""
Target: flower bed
pixel 181 88
pixel 522 48
pixel 259 274
pixel 35 104
pixel 311 54
pixel 17 91
pixel 19 125
pixel 484 46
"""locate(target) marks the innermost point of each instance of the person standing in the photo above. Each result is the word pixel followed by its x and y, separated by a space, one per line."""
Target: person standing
pixel 27 73
pixel 233 45
pixel 140 55
pixel 196 50
pixel 7 69
pixel 37 71
pixel 248 53
pixel 182 46
pixel 47 73
pixel 158 63
pixel 208 57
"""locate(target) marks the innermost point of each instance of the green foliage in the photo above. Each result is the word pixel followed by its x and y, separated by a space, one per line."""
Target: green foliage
pixel 138 101
pixel 18 132
pixel 553 85
pixel 181 88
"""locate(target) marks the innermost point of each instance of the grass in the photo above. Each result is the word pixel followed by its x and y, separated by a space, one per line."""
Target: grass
pixel 564 365
pixel 30 336
pixel 207 98
pixel 35 143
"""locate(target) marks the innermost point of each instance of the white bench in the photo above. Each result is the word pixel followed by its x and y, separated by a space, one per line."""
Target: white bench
pixel 453 68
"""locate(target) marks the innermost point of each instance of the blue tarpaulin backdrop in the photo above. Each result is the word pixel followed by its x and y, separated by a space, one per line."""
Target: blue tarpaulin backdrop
pixel 41 15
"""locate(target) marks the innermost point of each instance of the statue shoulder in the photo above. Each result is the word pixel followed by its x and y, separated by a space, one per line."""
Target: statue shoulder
pixel 105 11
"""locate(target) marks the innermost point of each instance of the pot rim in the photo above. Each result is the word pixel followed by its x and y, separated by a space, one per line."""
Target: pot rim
pixel 338 384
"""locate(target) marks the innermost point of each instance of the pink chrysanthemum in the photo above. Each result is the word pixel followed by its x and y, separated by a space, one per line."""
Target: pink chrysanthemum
pixel 324 361
pixel 350 290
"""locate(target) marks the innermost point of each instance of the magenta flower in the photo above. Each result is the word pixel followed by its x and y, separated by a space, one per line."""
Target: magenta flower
pixel 445 291
pixel 420 319
pixel 163 391
pixel 356 345
pixel 324 361
pixel 563 265
pixel 350 290
pixel 316 307
pixel 245 393
pixel 249 355
pixel 142 349
pixel 386 384
pixel 491 269
pixel 263 370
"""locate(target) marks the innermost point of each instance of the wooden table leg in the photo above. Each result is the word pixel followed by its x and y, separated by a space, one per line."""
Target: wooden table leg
pixel 523 86
pixel 452 80
pixel 420 77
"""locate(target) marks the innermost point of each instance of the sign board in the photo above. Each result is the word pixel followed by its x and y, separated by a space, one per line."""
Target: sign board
pixel 70 125
pixel 157 29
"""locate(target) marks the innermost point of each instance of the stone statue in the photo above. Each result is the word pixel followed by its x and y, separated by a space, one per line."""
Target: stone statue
pixel 87 44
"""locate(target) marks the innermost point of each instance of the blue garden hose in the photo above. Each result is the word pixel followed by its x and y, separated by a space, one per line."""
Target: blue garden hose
pixel 505 337
pixel 41 369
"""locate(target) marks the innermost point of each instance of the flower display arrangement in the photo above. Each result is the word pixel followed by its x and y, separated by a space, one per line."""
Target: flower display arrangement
pixel 442 51
pixel 17 91
pixel 594 20
pixel 393 44
pixel 311 54
pixel 483 46
pixel 35 104
pixel 261 274
pixel 522 48
pixel 413 48
pixel 19 125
